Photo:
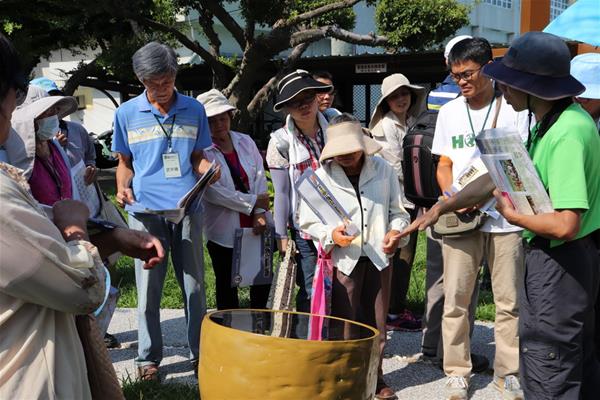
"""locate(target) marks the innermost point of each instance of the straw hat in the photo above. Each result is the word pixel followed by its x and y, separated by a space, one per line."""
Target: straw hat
pixel 214 102
pixel 388 86
pixel 346 138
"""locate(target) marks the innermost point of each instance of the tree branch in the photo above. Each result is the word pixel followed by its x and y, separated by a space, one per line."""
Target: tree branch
pixel 205 19
pixel 263 95
pixel 227 20
pixel 316 12
pixel 213 62
pixel 312 35
pixel 77 76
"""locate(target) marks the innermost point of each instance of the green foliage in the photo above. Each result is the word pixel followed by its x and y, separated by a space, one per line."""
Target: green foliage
pixel 39 27
pixel 149 390
pixel 416 25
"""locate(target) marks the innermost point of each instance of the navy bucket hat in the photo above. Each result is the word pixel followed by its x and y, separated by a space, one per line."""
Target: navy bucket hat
pixel 537 63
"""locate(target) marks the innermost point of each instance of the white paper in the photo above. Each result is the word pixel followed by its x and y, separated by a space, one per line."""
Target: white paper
pixel 474 169
pixel 321 201
pixel 87 193
pixel 252 261
pixel 175 215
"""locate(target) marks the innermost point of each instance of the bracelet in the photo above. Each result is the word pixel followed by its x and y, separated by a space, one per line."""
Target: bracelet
pixel 259 210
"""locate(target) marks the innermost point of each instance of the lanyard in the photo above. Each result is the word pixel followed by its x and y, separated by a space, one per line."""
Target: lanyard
pixel 167 135
pixel 309 143
pixel 484 121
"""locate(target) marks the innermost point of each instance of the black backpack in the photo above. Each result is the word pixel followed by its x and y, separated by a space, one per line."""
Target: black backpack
pixel 419 165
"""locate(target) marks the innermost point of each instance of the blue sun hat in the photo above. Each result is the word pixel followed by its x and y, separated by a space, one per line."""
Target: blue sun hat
pixel 539 64
pixel 586 69
pixel 48 85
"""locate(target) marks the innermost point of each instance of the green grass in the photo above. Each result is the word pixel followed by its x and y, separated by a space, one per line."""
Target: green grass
pixel 146 390
pixel 172 297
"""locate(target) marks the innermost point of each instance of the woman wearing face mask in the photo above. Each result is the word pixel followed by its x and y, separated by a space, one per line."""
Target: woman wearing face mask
pixel 44 161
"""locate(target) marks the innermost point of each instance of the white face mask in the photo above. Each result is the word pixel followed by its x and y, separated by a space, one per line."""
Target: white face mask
pixel 47 127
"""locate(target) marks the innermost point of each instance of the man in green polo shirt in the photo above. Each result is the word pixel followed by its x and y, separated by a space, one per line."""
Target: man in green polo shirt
pixel 562 257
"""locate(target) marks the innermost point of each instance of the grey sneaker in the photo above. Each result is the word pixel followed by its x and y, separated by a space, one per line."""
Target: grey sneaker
pixel 509 386
pixel 456 388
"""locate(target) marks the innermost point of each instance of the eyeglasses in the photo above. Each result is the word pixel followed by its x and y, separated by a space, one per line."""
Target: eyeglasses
pixel 309 98
pixel 465 75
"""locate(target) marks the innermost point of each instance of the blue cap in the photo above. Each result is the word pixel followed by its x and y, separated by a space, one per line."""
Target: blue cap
pixel 586 69
pixel 47 84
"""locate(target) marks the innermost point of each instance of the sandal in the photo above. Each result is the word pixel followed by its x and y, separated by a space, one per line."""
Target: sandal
pixel 383 391
pixel 148 372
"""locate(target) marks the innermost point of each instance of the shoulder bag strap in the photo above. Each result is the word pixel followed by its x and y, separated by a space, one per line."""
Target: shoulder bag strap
pixel 497 111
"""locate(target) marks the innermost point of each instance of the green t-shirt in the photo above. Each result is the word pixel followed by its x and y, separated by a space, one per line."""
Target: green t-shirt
pixel 567 158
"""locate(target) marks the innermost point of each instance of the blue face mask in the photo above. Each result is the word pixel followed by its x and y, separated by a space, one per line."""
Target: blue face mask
pixel 47 127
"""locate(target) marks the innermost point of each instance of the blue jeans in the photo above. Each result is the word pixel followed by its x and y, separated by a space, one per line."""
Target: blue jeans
pixel 184 242
pixel 306 260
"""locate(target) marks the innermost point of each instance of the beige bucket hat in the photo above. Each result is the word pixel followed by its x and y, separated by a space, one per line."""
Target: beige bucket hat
pixel 388 86
pixel 346 138
pixel 214 102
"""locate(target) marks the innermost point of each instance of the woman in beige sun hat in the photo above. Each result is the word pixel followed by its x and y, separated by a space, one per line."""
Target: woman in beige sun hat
pixel 400 104
pixel 368 189
pixel 238 199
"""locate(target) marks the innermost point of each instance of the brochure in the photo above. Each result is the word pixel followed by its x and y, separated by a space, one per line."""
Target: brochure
pixel 175 215
pixel 87 193
pixel 475 168
pixel 321 201
pixel 252 257
pixel 512 170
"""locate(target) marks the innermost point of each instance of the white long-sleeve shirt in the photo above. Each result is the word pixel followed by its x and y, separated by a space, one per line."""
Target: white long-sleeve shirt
pixel 222 202
pixel 379 211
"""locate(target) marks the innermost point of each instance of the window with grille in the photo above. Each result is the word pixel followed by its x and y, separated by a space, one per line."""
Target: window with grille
pixel 557 7
pixel 500 3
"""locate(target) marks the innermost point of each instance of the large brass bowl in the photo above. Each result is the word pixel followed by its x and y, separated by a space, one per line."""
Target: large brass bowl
pixel 264 354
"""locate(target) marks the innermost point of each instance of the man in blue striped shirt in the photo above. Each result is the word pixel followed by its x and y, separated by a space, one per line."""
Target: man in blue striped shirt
pixel 160 136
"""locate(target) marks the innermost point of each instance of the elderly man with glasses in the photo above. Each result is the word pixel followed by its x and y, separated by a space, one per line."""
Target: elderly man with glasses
pixel 160 136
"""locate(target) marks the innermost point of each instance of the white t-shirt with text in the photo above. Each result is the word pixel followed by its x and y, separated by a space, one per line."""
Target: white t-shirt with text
pixel 455 139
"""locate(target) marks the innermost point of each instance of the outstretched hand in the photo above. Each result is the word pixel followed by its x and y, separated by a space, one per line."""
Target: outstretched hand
pixel 391 240
pixel 139 245
pixel 422 222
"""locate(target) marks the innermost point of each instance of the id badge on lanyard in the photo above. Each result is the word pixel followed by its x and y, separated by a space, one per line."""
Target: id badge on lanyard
pixel 171 164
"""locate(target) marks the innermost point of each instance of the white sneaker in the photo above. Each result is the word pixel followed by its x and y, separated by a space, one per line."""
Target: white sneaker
pixel 457 388
pixel 509 386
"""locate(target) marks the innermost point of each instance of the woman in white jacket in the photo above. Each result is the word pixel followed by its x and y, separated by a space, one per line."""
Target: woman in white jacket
pixel 367 188
pixel 239 199
pixel 400 103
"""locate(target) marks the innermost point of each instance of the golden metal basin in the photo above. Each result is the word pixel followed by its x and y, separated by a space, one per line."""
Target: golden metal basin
pixel 264 354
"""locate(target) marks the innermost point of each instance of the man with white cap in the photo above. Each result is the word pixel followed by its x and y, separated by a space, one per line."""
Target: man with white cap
pixel 448 90
pixel 498 242
pixel 586 69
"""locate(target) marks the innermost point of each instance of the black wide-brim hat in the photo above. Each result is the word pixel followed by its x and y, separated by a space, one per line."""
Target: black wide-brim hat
pixel 539 64
pixel 296 82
